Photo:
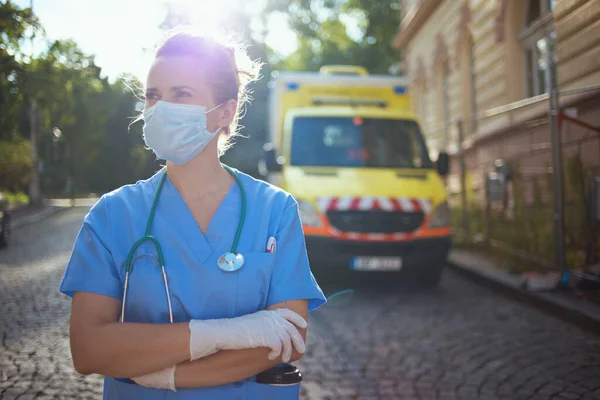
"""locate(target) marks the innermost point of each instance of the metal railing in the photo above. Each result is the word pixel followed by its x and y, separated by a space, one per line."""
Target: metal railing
pixel 494 220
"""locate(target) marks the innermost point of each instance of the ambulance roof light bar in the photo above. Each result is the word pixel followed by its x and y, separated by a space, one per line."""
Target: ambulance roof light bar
pixel 351 102
pixel 343 70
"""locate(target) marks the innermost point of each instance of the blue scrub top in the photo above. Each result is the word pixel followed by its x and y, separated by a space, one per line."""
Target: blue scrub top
pixel 199 289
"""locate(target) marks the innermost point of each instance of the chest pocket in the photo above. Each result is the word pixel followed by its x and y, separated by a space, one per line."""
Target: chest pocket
pixel 253 282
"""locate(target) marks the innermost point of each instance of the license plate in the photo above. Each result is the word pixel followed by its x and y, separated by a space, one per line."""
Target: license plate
pixel 376 263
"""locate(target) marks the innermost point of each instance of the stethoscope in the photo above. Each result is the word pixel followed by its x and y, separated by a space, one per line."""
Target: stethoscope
pixel 228 262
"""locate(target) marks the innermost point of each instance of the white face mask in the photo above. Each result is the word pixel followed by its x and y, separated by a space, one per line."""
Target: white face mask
pixel 177 132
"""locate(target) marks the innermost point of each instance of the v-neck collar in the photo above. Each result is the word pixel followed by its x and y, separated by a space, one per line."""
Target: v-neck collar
pixel 180 216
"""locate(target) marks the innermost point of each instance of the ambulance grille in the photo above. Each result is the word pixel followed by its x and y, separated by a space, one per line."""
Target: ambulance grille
pixel 376 221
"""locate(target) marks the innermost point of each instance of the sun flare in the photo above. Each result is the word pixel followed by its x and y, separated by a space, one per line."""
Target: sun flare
pixel 206 15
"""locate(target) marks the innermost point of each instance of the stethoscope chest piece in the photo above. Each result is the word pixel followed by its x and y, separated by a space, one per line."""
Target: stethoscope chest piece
pixel 230 262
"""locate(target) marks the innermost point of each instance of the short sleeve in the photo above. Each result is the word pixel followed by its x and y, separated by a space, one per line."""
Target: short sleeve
pixel 91 267
pixel 292 278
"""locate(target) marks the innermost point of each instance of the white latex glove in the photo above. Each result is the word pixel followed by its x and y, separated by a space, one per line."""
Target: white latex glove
pixel 275 329
pixel 163 379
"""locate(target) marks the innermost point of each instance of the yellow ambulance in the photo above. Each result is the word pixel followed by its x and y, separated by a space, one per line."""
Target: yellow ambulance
pixel 347 146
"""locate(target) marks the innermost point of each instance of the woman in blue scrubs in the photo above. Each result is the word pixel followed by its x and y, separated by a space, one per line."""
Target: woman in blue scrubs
pixel 230 320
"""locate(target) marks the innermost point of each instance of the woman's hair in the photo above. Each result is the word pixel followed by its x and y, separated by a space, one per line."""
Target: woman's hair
pixel 226 66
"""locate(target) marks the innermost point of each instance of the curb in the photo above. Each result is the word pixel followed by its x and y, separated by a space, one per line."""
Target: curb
pixel 543 301
pixel 41 215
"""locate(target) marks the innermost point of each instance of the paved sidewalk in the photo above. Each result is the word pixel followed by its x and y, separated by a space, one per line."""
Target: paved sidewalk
pixel 31 215
pixel 26 215
pixel 584 313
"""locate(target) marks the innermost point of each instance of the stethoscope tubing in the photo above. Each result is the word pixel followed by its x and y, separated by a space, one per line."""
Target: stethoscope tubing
pixel 160 257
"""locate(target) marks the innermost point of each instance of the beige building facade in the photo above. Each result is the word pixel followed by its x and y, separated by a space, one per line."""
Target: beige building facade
pixel 467 58
pixel 484 69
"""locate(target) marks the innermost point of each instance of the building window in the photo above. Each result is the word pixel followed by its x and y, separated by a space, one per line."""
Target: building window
pixel 539 43
pixel 534 11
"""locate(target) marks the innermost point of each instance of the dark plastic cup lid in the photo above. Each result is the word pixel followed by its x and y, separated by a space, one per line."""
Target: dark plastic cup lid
pixel 286 374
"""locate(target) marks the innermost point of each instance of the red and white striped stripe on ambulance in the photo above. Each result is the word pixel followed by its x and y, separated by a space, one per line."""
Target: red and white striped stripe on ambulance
pixel 373 203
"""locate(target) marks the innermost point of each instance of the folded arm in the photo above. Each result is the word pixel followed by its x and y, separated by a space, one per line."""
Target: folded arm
pixel 101 344
pixel 228 366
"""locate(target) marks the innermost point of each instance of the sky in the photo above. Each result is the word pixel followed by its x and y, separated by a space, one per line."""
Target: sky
pixel 118 31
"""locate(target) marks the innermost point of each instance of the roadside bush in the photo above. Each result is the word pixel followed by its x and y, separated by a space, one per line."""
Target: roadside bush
pixel 16 198
pixel 15 165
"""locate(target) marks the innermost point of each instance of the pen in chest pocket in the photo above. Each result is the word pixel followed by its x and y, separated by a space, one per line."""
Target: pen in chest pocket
pixel 271 245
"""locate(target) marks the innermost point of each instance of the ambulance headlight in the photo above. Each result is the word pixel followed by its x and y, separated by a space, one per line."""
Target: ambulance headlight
pixel 440 217
pixel 308 215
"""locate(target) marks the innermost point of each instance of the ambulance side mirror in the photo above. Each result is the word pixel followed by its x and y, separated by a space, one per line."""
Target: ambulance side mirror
pixel 271 160
pixel 443 164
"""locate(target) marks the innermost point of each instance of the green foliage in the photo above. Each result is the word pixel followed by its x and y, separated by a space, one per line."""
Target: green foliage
pixel 324 38
pixel 95 150
pixel 15 25
pixel 95 146
pixel 19 198
pixel 576 225
pixel 15 162
pixel 530 228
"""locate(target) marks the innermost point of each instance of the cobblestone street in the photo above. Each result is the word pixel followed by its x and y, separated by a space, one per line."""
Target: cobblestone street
pixel 459 341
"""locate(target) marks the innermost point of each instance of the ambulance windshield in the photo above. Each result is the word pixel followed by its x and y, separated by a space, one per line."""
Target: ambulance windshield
pixel 358 142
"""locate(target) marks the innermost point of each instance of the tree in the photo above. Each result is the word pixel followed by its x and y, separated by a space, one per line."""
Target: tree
pixel 356 32
pixel 68 89
pixel 15 149
pixel 98 151
pixel 15 24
